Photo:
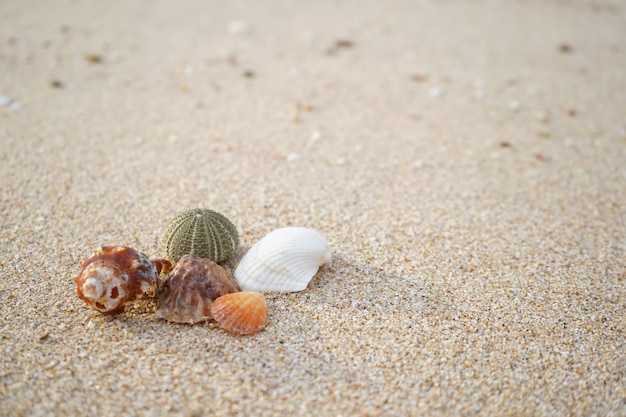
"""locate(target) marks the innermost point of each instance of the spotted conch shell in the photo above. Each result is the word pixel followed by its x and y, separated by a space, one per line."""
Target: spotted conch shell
pixel 188 291
pixel 284 260
pixel 115 275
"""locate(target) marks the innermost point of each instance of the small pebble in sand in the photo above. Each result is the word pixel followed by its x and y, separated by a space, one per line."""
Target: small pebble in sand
pixel 541 116
pixel 338 45
pixel 293 157
pixel 514 106
pixel 479 94
pixel 419 77
pixel 479 89
pixel 237 27
pixel 543 133
pixel 94 58
pixel 5 101
pixel 343 43
pixel 304 106
pixel 315 136
pixel 307 37
pixel 415 114
pixel 435 91
pixel 565 48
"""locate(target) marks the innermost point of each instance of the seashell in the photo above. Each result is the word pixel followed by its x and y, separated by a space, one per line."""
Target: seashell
pixel 115 275
pixel 190 288
pixel 200 232
pixel 284 260
pixel 242 313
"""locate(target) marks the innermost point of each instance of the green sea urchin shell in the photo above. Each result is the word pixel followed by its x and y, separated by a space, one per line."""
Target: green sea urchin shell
pixel 200 232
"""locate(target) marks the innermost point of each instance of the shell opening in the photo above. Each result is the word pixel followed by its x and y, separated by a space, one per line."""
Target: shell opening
pixel 93 288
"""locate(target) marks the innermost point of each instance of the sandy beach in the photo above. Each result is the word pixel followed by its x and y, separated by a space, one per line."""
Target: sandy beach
pixel 465 160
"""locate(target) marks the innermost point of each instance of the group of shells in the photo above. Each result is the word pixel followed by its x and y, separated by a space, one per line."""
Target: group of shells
pixel 198 288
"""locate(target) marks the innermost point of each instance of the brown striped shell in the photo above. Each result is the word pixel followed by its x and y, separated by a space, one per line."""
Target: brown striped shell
pixel 188 291
pixel 115 275
pixel 242 313
pixel 200 232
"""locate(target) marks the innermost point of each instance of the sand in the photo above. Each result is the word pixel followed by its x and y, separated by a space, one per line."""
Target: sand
pixel 466 161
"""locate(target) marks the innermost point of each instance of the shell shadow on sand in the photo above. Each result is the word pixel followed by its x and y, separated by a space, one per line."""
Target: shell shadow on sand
pixel 344 299
pixel 346 291
pixel 346 295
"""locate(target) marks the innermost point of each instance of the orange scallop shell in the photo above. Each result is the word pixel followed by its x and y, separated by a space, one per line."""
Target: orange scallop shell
pixel 242 313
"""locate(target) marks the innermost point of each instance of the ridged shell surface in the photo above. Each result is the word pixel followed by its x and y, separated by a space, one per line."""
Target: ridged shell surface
pixel 115 275
pixel 200 232
pixel 188 291
pixel 242 313
pixel 284 260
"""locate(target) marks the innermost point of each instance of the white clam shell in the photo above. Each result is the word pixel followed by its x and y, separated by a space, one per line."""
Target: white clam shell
pixel 284 260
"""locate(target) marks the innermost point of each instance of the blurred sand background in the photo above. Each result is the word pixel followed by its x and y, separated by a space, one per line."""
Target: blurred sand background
pixel 466 160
